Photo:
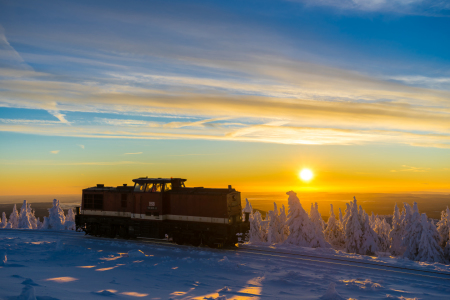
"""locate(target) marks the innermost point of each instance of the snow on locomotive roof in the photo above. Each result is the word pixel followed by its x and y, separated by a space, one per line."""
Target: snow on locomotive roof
pixel 157 180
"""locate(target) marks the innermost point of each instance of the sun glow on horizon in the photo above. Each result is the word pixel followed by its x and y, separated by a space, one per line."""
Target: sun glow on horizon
pixel 306 174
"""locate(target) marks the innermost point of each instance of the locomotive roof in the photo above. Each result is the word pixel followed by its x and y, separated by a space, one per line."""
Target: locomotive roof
pixel 157 180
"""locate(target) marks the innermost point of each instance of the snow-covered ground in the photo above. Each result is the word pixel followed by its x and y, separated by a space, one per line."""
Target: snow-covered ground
pixel 69 265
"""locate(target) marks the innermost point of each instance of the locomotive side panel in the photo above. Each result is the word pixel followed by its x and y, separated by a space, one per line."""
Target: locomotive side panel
pixel 198 206
pixel 150 206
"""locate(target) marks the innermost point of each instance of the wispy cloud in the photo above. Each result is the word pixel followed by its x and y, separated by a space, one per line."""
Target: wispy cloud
pixel 397 6
pixel 135 153
pixel 54 151
pixel 53 163
pixel 411 169
pixel 81 146
pixel 60 116
pixel 275 132
pixel 24 121
pixel 253 86
pixel 200 123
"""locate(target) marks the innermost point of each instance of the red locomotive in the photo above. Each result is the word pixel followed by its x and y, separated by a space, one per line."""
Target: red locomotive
pixel 160 207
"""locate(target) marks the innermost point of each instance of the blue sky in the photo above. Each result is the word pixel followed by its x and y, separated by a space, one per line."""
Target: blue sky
pixel 332 73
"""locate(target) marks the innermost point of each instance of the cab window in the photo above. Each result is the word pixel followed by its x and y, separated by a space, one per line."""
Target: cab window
pixel 139 187
pixel 167 187
pixel 154 188
pixel 157 187
pixel 149 187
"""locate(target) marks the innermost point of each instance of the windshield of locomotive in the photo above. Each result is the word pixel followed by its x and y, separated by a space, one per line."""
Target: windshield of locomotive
pixel 154 188
pixel 139 187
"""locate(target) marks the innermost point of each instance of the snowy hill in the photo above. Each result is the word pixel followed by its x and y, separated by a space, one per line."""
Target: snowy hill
pixel 46 265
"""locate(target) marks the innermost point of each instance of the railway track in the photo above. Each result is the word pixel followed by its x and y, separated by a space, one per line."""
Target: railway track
pixel 261 252
pixel 320 259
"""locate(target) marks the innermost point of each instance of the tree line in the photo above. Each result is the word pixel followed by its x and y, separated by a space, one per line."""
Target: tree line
pixel 411 235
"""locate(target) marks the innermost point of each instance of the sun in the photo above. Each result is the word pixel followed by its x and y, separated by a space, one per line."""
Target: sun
pixel 306 175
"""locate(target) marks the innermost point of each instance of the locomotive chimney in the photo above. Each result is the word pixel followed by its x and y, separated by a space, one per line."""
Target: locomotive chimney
pixel 229 187
pixel 99 185
pixel 124 184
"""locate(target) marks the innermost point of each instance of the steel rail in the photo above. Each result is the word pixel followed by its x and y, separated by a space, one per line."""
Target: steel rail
pixel 345 260
pixel 363 265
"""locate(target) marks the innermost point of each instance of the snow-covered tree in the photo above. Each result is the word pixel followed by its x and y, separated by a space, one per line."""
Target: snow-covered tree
pixel 428 247
pixel 283 226
pixel 14 218
pixel 247 209
pixel 344 219
pixel 341 219
pixel 353 231
pixel 39 224
pixel 369 237
pixel 277 231
pixel 45 224
pixel 382 229
pixel 33 219
pixel 333 233
pixel 406 216
pixel 56 218
pixel 4 221
pixel 319 223
pixel 274 235
pixel 301 229
pixel 396 234
pixel 24 217
pixel 443 228
pixel 372 220
pixel 412 232
pixel 264 228
pixel 70 220
pixel 256 234
pixel 316 217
